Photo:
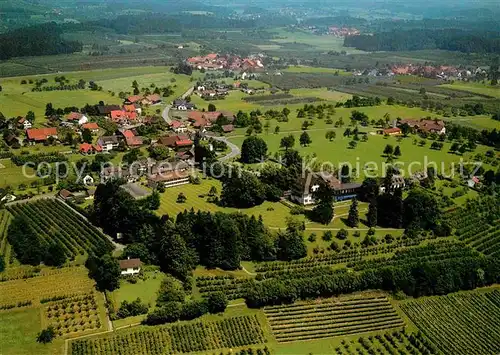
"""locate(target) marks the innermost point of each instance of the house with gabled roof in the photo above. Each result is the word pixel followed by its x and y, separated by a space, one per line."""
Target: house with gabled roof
pixel 36 135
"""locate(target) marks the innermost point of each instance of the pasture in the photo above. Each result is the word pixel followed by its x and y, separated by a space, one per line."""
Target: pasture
pixel 17 99
pixel 273 214
pixel 478 88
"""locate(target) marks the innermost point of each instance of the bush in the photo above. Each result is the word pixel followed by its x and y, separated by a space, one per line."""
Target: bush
pixel 327 236
pixel 342 234
pixel 217 302
pixel 46 335
pixel 131 309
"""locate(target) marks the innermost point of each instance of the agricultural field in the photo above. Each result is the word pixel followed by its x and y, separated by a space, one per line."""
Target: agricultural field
pixel 44 287
pixel 52 220
pixel 461 323
pixel 32 298
pixel 306 69
pixel 186 337
pixel 395 342
pixel 477 88
pixel 17 99
pixel 5 247
pixel 331 318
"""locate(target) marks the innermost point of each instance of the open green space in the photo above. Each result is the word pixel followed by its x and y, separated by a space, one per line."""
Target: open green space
pixel 18 332
pixel 478 88
pixel 145 287
pixel 17 99
pixel 306 69
pixel 273 213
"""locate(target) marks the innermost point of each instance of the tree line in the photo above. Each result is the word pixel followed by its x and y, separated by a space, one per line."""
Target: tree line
pixel 37 40
pixel 418 39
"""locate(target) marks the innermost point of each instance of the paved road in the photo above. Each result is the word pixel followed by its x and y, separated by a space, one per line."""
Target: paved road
pixel 235 151
pixel 166 110
pixel 164 114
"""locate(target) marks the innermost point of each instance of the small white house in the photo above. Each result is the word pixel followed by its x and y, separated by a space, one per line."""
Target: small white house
pixel 130 266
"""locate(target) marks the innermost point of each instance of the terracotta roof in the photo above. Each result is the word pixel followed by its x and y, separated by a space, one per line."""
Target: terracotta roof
pixel 170 141
pixel 90 125
pixel 41 134
pixel 130 263
pixel 85 147
pixel 72 116
pixel 154 97
pixel 134 141
pixel 129 108
pixel 392 130
pixel 128 133
pixel 65 193
pixel 134 98
pixel 183 142
pixel 117 114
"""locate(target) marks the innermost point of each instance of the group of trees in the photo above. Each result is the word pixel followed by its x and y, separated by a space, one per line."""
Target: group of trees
pixel 429 277
pixel 30 248
pixel 44 39
pixel 417 39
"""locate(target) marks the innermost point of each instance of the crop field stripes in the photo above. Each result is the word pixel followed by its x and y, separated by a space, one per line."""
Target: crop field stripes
pixel 175 339
pixel 464 323
pixel 5 218
pixel 52 220
pixel 394 343
pixel 331 317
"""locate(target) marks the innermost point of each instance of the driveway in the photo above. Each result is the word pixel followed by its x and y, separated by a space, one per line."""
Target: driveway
pixel 235 151
pixel 166 110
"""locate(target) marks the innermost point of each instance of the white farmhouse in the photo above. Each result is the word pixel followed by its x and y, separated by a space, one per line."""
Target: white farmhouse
pixel 130 266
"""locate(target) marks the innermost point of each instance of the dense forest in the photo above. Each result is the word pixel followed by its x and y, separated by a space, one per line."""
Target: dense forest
pixel 36 40
pixel 446 39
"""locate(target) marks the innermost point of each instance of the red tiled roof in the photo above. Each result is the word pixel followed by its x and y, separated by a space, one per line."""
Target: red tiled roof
pixel 72 116
pixel 134 98
pixel 97 148
pixel 90 125
pixel 117 114
pixel 86 147
pixel 128 133
pixel 183 142
pixel 41 134
pixel 134 141
pixel 154 97
pixel 176 124
pixel 131 115
pixel 392 130
pixel 129 108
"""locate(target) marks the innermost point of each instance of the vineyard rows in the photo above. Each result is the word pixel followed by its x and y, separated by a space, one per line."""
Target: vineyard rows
pixel 441 250
pixel 393 343
pixel 464 323
pixel 5 218
pixel 329 318
pixel 181 338
pixel 52 220
pixel 484 238
pixel 69 281
pixel 345 257
pixel 232 287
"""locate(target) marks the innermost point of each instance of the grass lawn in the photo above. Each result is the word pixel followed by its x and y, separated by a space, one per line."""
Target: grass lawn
pixel 477 122
pixel 273 213
pixel 18 332
pixel 17 99
pixel 367 156
pixel 145 289
pixel 321 93
pixel 306 69
pixel 477 88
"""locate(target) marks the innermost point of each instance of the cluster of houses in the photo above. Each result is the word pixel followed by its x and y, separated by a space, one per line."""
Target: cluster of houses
pixel 444 72
pixel 422 126
pixel 343 31
pixel 215 61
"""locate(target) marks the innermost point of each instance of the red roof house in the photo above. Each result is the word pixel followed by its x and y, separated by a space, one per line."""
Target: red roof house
pixel 91 126
pixel 134 98
pixel 41 134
